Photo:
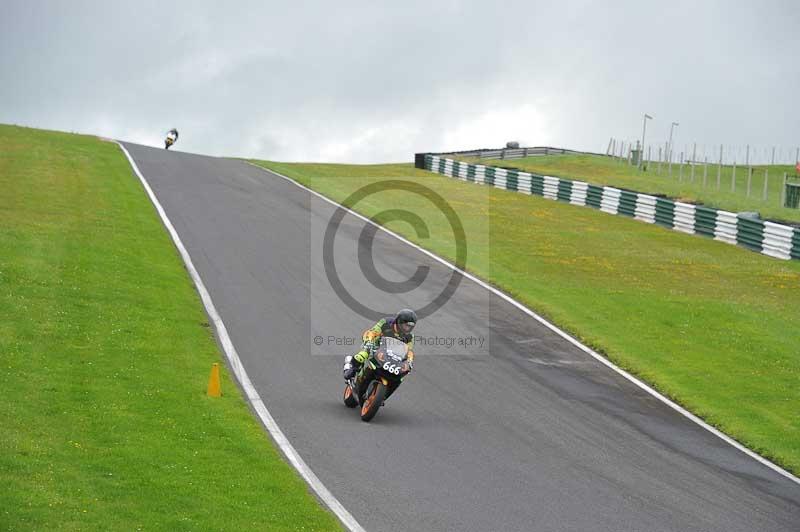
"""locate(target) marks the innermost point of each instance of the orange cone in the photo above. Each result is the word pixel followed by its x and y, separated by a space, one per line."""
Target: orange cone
pixel 214 389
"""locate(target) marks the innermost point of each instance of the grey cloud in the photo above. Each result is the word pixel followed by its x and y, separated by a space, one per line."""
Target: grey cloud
pixel 374 81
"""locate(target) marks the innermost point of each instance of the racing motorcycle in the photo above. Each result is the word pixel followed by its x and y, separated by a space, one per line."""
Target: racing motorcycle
pixel 379 377
pixel 172 138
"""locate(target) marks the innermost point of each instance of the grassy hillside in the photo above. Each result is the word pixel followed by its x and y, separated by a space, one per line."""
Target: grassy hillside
pixel 104 358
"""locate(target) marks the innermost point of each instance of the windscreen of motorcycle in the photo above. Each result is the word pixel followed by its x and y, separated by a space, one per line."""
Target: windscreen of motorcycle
pixel 394 348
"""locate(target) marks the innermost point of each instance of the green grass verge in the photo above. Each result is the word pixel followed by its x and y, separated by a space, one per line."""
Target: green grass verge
pixel 104 357
pixel 601 170
pixel 713 326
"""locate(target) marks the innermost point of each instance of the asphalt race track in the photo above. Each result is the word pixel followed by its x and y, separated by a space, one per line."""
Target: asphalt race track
pixel 528 434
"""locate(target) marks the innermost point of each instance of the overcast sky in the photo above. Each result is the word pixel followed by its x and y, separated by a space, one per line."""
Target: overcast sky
pixel 376 81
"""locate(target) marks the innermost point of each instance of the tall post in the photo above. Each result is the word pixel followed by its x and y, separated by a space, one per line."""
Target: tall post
pixel 773 155
pixel 680 173
pixel 658 171
pixel 670 139
pixel 733 177
pixel 749 179
pixel 694 160
pixel 783 191
pixel 766 180
pixel 719 166
pixel 669 155
pixel 705 171
pixel 644 130
pixel 747 159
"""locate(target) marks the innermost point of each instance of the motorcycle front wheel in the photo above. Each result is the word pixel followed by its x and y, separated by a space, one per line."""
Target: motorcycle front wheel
pixel 349 398
pixel 373 401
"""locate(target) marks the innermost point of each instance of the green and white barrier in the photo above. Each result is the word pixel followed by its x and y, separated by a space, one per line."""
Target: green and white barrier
pixel 775 240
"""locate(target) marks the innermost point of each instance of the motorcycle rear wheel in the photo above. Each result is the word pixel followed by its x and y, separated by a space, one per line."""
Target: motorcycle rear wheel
pixel 373 401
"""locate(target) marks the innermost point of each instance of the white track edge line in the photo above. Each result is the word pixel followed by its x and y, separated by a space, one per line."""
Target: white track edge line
pixel 241 375
pixel 752 454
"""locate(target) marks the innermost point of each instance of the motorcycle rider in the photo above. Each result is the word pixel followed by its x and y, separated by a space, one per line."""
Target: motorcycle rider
pixel 172 138
pixel 399 327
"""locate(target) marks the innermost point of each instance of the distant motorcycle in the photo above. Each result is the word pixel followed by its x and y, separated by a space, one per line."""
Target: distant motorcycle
pixel 379 377
pixel 172 138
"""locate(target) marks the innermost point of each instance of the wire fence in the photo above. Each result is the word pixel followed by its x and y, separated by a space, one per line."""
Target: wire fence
pixel 742 155
pixel 751 171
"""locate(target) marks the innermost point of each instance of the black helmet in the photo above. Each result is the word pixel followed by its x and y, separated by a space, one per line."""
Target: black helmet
pixel 405 320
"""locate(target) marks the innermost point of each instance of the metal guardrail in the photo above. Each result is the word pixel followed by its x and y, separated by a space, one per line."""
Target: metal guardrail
pixel 505 153
pixel 516 153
